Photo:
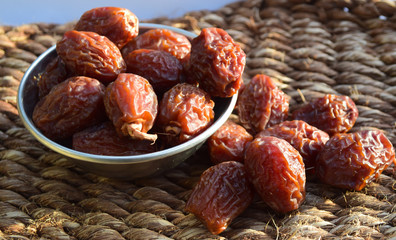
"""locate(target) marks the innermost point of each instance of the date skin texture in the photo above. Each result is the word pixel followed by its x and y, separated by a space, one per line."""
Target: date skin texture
pixel 184 112
pixel 216 63
pixel 262 104
pixel 353 160
pixel 160 39
pixel 330 113
pixel 103 139
pixel 228 143
pixel 54 73
pixel 92 55
pixel 132 105
pixel 307 139
pixel 118 24
pixel 160 68
pixel 277 172
pixel 69 107
pixel 222 193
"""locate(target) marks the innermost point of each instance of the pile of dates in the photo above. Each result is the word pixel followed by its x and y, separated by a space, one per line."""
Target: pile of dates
pixel 269 153
pixel 115 91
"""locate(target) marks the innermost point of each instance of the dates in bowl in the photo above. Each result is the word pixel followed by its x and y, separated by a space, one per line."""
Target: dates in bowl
pixel 144 159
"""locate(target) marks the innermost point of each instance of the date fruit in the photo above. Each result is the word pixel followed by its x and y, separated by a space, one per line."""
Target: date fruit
pixel 228 143
pixel 307 139
pixel 353 160
pixel 54 73
pixel 222 193
pixel 184 112
pixel 69 107
pixel 160 68
pixel 216 63
pixel 262 104
pixel 118 24
pixel 277 172
pixel 330 113
pixel 132 105
pixel 90 54
pixel 160 39
pixel 102 139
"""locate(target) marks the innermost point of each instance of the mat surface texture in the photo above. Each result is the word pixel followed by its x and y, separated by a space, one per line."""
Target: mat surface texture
pixel 309 47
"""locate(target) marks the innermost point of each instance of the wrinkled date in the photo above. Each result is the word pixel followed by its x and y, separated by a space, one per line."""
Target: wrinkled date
pixel 222 193
pixel 54 73
pixel 330 113
pixel 277 172
pixel 160 68
pixel 216 63
pixel 262 104
pixel 307 139
pixel 103 139
pixel 118 24
pixel 184 112
pixel 131 104
pixel 228 143
pixel 160 39
pixel 352 160
pixel 89 54
pixel 69 107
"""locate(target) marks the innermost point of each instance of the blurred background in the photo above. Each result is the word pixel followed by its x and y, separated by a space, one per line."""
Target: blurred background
pixel 18 12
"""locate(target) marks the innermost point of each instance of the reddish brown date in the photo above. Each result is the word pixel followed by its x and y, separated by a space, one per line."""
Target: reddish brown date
pixel 352 160
pixel 262 104
pixel 184 112
pixel 131 104
pixel 118 24
pixel 228 143
pixel 216 62
pixel 330 113
pixel 160 68
pixel 54 73
pixel 222 193
pixel 307 139
pixel 69 107
pixel 277 172
pixel 89 54
pixel 160 39
pixel 103 139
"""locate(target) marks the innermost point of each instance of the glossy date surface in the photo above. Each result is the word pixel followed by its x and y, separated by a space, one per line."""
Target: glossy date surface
pixel 160 39
pixel 262 104
pixel 90 54
pixel 160 68
pixel 222 193
pixel 307 139
pixel 118 24
pixel 353 160
pixel 277 172
pixel 102 139
pixel 216 63
pixel 54 73
pixel 228 143
pixel 69 107
pixel 330 113
pixel 132 105
pixel 184 112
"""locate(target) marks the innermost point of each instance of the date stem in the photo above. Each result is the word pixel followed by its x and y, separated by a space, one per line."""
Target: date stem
pixel 135 131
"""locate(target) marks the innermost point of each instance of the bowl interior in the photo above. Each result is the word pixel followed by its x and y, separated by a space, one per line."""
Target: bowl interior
pixel 28 97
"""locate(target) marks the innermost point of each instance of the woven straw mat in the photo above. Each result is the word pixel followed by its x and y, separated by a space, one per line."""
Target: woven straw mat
pixel 309 47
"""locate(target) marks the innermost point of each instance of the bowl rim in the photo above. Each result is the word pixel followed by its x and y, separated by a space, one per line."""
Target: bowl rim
pixel 108 159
